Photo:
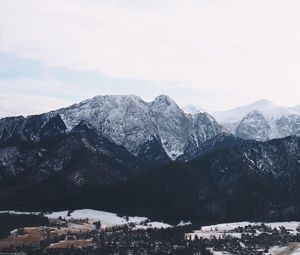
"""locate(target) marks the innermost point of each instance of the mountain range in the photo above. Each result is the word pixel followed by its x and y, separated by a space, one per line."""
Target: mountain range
pixel 153 158
pixel 262 120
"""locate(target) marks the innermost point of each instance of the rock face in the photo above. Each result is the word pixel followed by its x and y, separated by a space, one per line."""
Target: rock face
pixel 253 126
pixel 256 127
pixel 288 125
pixel 32 128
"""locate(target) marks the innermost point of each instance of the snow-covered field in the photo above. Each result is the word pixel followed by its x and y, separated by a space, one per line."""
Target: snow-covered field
pixel 107 219
pixel 227 229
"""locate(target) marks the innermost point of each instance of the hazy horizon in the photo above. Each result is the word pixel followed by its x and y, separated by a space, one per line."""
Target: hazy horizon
pixel 54 105
pixel 214 54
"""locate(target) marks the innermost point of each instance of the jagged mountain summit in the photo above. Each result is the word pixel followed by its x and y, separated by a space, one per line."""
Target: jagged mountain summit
pixel 253 126
pixel 126 120
pixel 263 120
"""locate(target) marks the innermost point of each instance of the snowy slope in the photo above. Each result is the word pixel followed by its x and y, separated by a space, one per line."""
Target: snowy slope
pixel 108 219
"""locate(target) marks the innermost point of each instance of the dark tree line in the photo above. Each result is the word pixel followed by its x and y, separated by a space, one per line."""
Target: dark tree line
pixel 9 222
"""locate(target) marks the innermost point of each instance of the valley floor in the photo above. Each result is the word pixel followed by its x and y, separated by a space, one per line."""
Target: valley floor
pixel 97 232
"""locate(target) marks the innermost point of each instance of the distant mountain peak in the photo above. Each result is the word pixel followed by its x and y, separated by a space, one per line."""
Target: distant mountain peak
pixel 253 126
pixel 263 102
pixel 269 109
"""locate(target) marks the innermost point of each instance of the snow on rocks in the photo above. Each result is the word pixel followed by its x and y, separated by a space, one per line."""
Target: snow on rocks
pixel 131 122
pixel 262 120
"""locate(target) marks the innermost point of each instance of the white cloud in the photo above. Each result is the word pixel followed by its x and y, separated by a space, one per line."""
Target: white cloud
pixel 15 104
pixel 241 49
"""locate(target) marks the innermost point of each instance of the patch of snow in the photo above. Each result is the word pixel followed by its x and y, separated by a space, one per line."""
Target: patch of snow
pixel 14 232
pixel 106 218
pixel 250 160
pixel 225 226
pixel 296 252
pixel 156 224
pixel 184 223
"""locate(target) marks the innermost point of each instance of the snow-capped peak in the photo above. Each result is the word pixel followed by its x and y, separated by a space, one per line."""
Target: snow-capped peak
pixel 162 102
pixel 192 109
pixel 269 109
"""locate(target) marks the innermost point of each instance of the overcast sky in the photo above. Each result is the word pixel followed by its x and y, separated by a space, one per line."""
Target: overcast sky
pixel 216 54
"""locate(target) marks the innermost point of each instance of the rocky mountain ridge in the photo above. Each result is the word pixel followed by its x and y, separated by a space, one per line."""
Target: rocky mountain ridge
pixel 127 121
pixel 262 120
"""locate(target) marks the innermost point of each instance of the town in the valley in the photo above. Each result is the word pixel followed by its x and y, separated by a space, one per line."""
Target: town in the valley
pixel 96 232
